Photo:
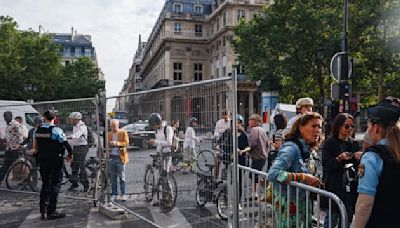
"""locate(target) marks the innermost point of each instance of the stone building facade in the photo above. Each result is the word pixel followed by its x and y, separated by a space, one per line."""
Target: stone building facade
pixel 191 41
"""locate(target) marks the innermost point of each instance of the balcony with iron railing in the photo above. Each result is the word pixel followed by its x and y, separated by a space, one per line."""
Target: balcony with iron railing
pixel 184 34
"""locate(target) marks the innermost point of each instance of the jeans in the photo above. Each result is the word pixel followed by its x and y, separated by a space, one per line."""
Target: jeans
pixel 117 171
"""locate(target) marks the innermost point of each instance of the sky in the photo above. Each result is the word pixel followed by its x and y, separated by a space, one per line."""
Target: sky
pixel 114 25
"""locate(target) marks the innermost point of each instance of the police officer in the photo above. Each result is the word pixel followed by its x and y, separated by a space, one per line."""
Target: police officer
pixel 379 170
pixel 50 144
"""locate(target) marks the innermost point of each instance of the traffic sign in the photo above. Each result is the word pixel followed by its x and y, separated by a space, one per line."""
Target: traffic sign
pixel 336 65
pixel 335 91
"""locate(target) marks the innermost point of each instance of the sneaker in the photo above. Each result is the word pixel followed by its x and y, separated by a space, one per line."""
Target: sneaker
pixel 114 197
pixel 124 198
pixel 55 215
pixel 42 216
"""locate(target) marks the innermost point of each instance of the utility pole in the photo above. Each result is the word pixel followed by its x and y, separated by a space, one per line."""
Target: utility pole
pixel 344 72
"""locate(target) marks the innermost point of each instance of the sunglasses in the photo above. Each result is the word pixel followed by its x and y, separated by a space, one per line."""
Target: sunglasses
pixel 347 126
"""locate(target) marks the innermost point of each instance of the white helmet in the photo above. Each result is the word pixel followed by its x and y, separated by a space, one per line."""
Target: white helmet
pixel 75 115
pixel 304 101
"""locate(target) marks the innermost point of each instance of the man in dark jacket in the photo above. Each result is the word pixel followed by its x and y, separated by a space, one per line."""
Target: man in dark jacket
pixel 49 144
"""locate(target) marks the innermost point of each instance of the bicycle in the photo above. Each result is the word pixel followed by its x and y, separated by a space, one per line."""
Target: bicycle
pixel 23 172
pixel 100 182
pixel 162 185
pixel 209 190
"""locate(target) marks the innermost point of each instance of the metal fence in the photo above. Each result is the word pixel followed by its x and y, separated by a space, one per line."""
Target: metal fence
pixel 16 177
pixel 178 105
pixel 283 205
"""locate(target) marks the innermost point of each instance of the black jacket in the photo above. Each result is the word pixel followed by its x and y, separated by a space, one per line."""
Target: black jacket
pixel 333 169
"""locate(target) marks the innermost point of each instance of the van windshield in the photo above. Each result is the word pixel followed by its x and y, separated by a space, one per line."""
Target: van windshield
pixel 29 118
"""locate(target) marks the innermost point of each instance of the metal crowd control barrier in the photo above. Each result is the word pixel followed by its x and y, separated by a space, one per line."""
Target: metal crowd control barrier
pixel 261 209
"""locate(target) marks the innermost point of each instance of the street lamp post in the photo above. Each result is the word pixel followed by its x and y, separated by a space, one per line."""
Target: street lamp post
pixel 319 58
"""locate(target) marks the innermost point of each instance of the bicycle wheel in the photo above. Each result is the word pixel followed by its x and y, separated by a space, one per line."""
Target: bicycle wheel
pixel 18 176
pixel 222 204
pixel 201 193
pixel 167 193
pixel 99 188
pixel 205 160
pixel 149 183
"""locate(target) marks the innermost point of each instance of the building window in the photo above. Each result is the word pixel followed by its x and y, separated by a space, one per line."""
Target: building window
pixel 217 24
pixel 198 71
pixel 224 19
pixel 67 51
pixel 78 52
pixel 178 27
pixel 198 29
pixel 223 41
pixel 241 14
pixel 198 9
pixel 224 71
pixel 177 71
pixel 88 52
pixel 178 8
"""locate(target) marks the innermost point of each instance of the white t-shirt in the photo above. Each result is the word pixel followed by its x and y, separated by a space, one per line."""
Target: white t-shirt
pixel 163 143
pixel 190 138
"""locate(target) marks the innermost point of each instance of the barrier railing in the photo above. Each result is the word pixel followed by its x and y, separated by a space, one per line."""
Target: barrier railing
pixel 282 205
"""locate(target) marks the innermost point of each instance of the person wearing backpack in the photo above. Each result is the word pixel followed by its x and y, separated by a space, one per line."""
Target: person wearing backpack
pixel 163 139
pixel 340 157
pixel 379 170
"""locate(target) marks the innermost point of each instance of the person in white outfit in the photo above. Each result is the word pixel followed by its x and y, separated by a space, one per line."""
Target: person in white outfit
pixel 222 125
pixel 303 105
pixel 189 145
pixel 163 139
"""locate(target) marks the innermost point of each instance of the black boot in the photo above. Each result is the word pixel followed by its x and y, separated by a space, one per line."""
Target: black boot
pixel 55 215
pixel 42 216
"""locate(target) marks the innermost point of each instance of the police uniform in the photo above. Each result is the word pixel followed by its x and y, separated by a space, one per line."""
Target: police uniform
pixel 380 173
pixel 51 143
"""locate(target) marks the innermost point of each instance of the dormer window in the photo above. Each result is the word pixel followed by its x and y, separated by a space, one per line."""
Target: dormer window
pixel 198 9
pixel 178 8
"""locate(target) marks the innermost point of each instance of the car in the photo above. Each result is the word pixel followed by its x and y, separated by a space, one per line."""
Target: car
pixel 139 135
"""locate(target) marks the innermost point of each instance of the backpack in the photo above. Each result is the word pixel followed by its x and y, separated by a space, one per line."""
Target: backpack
pixel 174 140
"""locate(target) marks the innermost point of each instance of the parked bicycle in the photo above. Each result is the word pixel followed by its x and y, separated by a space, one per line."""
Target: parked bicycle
pixel 160 183
pixel 23 173
pixel 210 190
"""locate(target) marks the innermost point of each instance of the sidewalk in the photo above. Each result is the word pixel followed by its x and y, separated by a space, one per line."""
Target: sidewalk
pixel 22 210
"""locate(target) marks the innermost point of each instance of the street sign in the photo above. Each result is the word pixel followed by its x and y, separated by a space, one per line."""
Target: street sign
pixel 335 91
pixel 336 64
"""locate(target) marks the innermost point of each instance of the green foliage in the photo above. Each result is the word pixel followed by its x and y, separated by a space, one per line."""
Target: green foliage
pixel 30 68
pixel 280 47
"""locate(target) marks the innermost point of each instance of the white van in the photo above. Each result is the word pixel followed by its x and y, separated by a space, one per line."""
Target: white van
pixel 18 108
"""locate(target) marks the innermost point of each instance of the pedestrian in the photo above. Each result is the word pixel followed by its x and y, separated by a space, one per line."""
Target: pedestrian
pixel 294 163
pixel 163 139
pixel 14 136
pixel 118 141
pixel 222 124
pixel 277 140
pixel 258 143
pixel 189 144
pixel 49 145
pixel 340 157
pixel 379 170
pixel 303 105
pixel 79 141
pixel 163 142
pixel 24 128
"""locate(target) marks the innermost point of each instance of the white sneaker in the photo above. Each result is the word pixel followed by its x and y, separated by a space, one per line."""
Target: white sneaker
pixel 114 197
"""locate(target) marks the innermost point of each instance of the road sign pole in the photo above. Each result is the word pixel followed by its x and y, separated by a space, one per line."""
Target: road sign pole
pixel 344 70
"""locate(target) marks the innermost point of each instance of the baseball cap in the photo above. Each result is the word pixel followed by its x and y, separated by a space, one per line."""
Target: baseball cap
pixel 384 113
pixel 304 101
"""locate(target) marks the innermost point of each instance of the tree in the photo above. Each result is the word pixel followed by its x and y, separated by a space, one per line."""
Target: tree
pixel 279 47
pixel 80 79
pixel 29 63
pixel 30 68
